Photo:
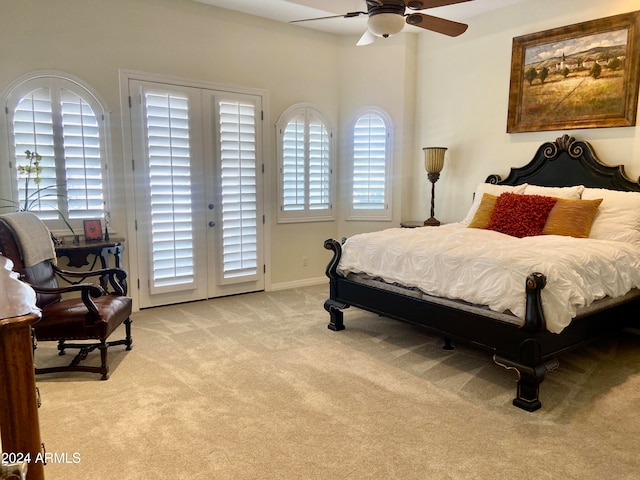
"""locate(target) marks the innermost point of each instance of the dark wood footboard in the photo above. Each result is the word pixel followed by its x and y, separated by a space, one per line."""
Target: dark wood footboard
pixel 529 350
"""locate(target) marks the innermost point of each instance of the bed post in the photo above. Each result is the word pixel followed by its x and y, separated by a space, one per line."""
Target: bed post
pixel 332 305
pixel 336 322
pixel 534 315
pixel 529 367
pixel 529 375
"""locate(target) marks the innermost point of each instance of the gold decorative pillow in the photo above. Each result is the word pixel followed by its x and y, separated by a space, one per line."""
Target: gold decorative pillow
pixel 491 189
pixel 483 213
pixel 571 218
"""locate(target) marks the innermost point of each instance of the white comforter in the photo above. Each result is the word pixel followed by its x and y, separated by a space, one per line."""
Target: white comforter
pixel 489 268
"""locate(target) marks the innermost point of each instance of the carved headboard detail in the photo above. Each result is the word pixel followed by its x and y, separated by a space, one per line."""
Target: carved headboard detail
pixel 567 162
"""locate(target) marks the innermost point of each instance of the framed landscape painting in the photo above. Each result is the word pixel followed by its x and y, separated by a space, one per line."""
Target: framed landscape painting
pixel 580 76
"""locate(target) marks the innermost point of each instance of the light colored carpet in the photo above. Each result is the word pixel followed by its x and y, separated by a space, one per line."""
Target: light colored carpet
pixel 256 387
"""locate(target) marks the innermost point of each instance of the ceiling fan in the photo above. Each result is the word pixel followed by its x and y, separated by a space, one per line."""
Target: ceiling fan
pixel 387 17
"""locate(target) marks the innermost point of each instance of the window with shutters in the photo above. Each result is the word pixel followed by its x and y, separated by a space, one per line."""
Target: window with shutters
pixel 61 123
pixel 306 153
pixel 370 185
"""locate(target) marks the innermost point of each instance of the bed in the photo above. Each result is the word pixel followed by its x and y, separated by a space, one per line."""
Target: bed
pixel 525 298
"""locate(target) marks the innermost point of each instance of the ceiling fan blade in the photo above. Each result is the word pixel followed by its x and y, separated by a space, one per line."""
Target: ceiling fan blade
pixel 346 15
pixel 436 24
pixel 424 4
pixel 367 38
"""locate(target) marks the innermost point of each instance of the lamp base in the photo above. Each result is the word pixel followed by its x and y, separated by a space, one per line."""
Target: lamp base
pixel 432 222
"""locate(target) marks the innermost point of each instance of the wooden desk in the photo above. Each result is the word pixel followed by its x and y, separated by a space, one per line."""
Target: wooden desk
pixel 78 254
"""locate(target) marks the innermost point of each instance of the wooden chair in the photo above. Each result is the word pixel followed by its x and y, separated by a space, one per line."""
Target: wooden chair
pixel 93 316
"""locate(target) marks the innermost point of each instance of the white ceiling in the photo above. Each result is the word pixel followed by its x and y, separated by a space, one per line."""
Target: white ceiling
pixel 288 10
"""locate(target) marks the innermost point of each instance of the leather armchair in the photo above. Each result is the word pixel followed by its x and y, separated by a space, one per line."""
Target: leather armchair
pixel 86 312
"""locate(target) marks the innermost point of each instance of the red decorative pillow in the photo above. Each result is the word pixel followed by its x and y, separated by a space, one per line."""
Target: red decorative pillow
pixel 520 215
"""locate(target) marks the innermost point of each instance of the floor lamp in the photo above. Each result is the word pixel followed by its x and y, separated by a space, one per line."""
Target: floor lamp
pixel 433 163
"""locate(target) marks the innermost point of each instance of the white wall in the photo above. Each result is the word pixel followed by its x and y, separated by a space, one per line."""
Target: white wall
pixel 463 87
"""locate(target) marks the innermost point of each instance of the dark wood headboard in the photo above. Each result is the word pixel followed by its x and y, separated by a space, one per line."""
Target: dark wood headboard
pixel 568 162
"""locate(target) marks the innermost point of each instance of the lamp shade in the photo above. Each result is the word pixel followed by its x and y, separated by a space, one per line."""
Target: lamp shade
pixel 385 24
pixel 434 159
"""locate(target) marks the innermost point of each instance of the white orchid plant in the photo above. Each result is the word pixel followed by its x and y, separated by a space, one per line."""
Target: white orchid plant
pixel 31 172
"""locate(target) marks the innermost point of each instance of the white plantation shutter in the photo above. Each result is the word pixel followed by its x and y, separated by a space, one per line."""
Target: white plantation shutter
pixel 33 131
pixel 305 150
pixel 319 165
pixel 369 163
pixel 63 122
pixel 294 164
pixel 238 180
pixel 169 174
pixel 370 169
pixel 82 154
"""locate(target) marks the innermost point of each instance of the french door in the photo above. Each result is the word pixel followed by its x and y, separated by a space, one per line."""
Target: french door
pixel 198 190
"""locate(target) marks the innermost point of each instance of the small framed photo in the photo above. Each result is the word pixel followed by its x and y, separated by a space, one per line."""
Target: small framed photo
pixel 92 230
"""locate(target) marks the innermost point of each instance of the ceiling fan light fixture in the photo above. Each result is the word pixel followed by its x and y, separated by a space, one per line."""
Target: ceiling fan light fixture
pixel 385 24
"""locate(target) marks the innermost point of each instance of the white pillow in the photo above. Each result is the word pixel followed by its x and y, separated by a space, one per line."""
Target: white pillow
pixel 491 189
pixel 618 217
pixel 572 193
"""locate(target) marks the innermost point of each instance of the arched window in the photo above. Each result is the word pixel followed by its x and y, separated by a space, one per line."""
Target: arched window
pixel 370 187
pixel 56 150
pixel 305 157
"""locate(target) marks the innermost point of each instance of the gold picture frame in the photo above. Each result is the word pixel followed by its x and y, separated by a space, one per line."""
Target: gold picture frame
pixel 579 76
pixel 92 230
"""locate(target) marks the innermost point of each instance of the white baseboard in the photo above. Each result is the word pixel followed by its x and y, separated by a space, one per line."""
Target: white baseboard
pixel 307 282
